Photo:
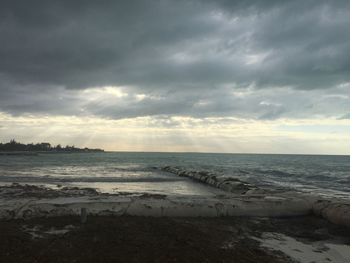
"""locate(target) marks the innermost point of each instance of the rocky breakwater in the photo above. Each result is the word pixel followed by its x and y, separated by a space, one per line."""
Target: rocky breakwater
pixel 228 184
pixel 334 210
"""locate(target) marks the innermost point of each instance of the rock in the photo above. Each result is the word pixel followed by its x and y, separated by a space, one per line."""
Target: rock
pixel 335 212
pixel 256 191
pixel 228 184
pixel 226 187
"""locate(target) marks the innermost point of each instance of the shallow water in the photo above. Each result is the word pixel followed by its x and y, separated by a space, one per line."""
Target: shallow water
pixel 111 171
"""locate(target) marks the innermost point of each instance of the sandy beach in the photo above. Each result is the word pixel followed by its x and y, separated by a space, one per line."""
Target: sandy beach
pixel 40 224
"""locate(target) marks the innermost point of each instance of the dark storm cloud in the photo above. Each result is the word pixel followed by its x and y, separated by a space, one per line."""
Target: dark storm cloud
pixel 191 55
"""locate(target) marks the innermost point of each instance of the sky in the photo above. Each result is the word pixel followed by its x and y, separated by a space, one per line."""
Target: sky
pixel 185 75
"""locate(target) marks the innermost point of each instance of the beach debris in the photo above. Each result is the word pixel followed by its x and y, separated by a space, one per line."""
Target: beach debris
pixel 16 190
pixel 39 231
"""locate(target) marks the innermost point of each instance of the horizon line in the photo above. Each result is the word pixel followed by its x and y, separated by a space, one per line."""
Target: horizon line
pixel 238 153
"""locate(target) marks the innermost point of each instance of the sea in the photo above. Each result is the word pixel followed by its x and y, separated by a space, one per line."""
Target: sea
pixel 140 172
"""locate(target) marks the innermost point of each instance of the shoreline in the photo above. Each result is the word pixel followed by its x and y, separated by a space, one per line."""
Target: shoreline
pixel 282 227
pixel 29 201
pixel 26 201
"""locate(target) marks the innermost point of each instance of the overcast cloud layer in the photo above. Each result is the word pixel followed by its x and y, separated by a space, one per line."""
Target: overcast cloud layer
pixel 122 59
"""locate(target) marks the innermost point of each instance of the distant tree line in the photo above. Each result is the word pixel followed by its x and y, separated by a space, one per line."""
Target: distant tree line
pixel 42 147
